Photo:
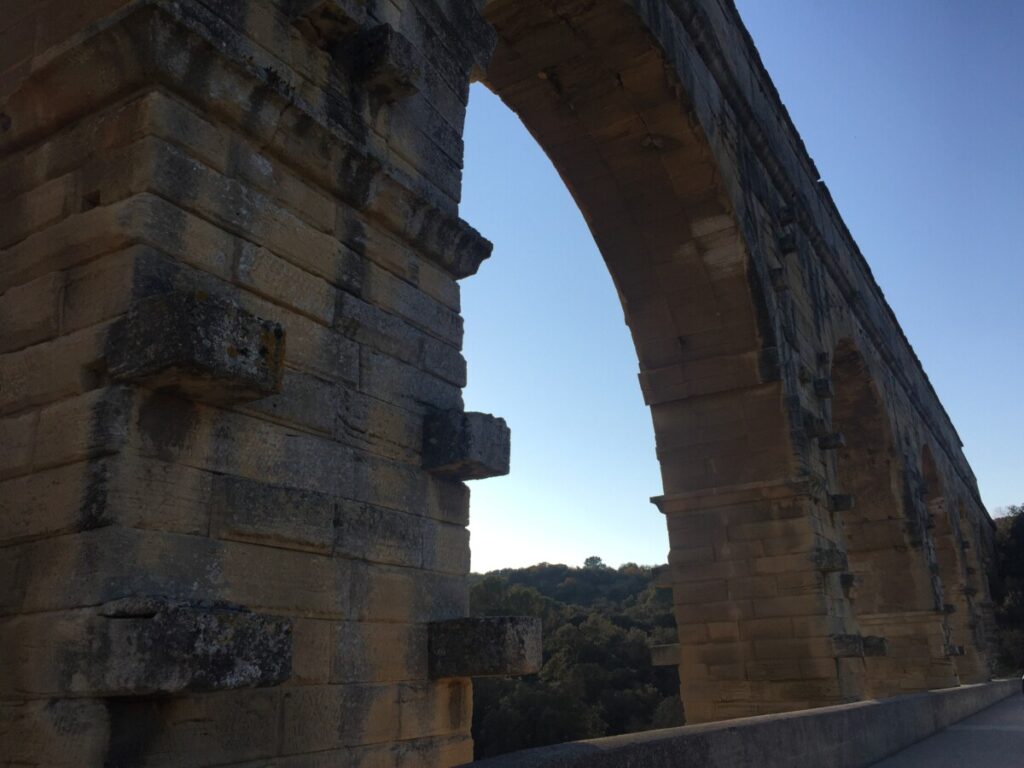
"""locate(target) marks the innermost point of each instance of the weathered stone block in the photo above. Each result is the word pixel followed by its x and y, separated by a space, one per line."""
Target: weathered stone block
pixel 30 313
pixel 140 646
pixel 823 388
pixel 326 22
pixel 846 646
pixel 247 510
pixel 378 534
pixel 841 502
pixel 831 442
pixel 875 646
pixel 466 446
pixel 830 559
pixel 485 647
pixel 159 646
pixel 367 652
pixel 387 64
pixel 58 733
pixel 204 347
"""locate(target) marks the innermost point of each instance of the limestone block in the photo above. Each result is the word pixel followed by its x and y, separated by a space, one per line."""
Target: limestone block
pixel 831 442
pixel 30 313
pixel 58 733
pixel 830 559
pixel 205 347
pixel 247 510
pixel 875 646
pixel 328 21
pixel 368 652
pixel 446 548
pixel 140 646
pixel 317 718
pixel 437 708
pixel 846 646
pixel 194 730
pixel 485 647
pixel 391 594
pixel 665 655
pixel 387 64
pixel 378 534
pixel 466 446
pixel 823 388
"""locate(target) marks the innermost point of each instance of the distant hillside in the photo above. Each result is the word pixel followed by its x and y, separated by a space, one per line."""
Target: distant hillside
pixel 597 678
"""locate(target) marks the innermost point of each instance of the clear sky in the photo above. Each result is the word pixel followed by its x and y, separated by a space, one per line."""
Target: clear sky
pixel 914 114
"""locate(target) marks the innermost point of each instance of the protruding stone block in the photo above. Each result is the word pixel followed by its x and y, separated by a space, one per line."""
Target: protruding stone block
pixel 158 646
pixel 466 446
pixel 831 441
pixel 823 388
pixel 830 559
pixel 841 502
pixel 207 348
pixel 665 655
pixel 814 425
pixel 485 647
pixel 787 243
pixel 143 646
pixel 387 64
pixel 875 646
pixel 326 22
pixel 847 646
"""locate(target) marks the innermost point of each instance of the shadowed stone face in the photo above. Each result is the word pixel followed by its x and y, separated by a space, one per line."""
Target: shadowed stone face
pixel 233 516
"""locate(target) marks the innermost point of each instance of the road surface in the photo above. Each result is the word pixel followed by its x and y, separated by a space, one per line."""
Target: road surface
pixel 993 738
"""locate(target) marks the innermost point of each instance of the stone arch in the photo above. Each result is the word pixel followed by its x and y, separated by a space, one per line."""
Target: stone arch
pixel 958 587
pixel 893 593
pixel 760 608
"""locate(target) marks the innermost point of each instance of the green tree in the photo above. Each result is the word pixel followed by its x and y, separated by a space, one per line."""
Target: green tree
pixel 1009 588
pixel 597 678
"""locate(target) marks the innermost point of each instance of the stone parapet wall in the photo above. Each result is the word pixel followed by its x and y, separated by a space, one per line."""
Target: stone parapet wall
pixel 847 736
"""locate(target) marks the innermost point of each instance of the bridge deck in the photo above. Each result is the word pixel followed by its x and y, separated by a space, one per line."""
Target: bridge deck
pixel 993 737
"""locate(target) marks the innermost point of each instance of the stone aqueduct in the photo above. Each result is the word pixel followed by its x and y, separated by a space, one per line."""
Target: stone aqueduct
pixel 232 508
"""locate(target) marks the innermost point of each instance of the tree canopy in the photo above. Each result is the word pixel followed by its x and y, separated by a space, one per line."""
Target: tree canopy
pixel 597 679
pixel 1009 589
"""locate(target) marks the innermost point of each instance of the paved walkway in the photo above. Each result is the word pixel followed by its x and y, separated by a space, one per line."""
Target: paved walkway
pixel 993 738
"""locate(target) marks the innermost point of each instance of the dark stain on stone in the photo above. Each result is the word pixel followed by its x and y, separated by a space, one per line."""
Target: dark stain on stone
pixel 92 510
pixel 166 421
pixel 456 693
pixel 134 724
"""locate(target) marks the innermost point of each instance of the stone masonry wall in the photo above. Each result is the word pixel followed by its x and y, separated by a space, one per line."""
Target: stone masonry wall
pixel 232 500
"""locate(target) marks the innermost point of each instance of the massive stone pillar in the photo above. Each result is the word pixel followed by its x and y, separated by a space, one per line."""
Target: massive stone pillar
pixel 893 587
pixel 960 591
pixel 232 514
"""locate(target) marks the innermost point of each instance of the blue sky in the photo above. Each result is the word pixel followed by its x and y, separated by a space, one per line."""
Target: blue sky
pixel 914 114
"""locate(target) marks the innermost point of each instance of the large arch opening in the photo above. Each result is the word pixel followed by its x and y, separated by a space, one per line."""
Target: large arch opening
pixel 758 603
pixel 892 591
pixel 569 536
pixel 957 588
